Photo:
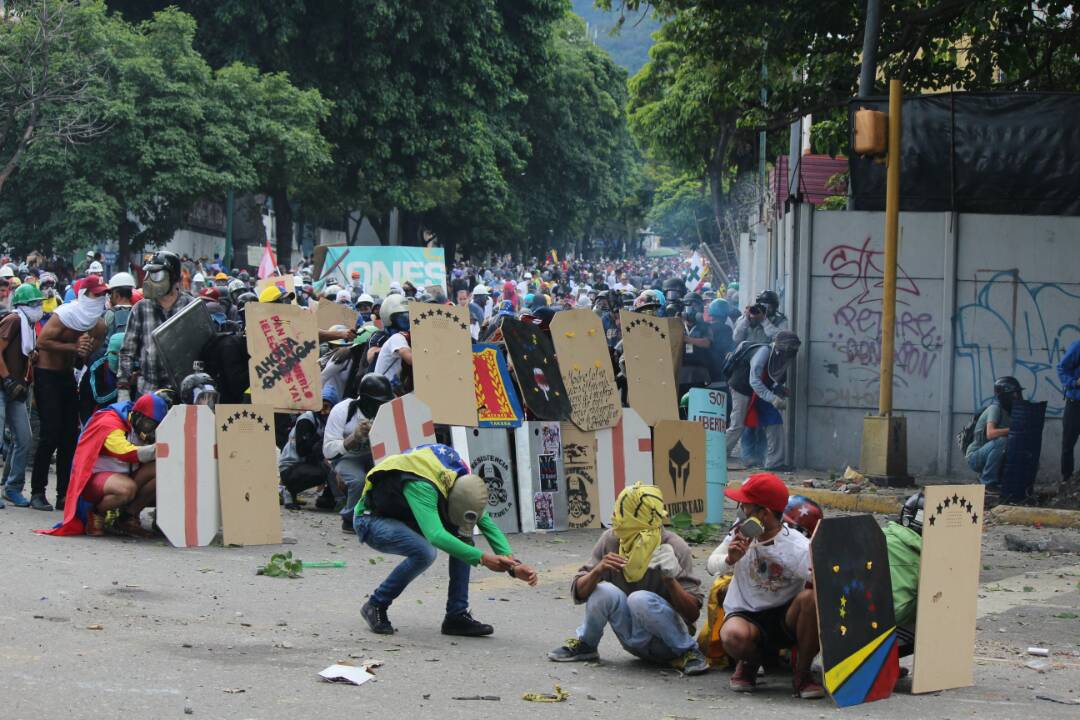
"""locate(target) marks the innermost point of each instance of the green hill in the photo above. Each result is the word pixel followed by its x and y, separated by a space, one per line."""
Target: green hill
pixel 629 47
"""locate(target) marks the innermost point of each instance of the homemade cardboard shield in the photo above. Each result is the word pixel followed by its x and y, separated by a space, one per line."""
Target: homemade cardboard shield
pixel 585 365
pixel 533 358
pixel 855 609
pixel 443 362
pixel 623 457
pixel 679 467
pixel 650 375
pixel 676 333
pixel 287 282
pixel 181 339
pixel 540 477
pixel 330 313
pixel 400 424
pixel 948 587
pixel 487 450
pixel 579 466
pixel 248 475
pixel 283 342
pixel 497 404
pixel 188 502
pixel 709 408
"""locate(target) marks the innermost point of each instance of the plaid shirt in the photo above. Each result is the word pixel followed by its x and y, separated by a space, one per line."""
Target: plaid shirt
pixel 138 353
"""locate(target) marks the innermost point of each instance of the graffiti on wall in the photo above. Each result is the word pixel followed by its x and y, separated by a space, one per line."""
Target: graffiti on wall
pixel 1017 328
pixel 856 272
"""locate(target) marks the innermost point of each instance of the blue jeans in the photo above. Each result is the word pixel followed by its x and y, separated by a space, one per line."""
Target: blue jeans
pixel 396 538
pixel 17 416
pixel 353 471
pixel 645 623
pixel 988 460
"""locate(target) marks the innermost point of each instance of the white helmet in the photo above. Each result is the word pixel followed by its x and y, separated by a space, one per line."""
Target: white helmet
pixel 481 290
pixel 392 305
pixel 121 280
pixel 94 268
pixel 199 277
pixel 6 271
pixel 365 298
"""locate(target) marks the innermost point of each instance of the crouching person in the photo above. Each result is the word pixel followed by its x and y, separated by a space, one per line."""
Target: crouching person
pixel 768 607
pixel 640 581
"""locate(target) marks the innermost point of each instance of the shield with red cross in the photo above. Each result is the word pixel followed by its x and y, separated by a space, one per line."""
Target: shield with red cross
pixel 623 457
pixel 400 424
pixel 188 503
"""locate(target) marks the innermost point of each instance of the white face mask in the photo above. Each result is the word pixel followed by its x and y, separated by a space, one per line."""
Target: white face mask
pixel 96 304
pixel 33 313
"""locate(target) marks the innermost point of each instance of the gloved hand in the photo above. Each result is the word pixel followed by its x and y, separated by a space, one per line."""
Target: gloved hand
pixel 358 441
pixel 664 560
pixel 147 453
pixel 16 389
pixel 779 403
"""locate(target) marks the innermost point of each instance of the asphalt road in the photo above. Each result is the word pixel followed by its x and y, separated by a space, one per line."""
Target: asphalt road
pixel 198 630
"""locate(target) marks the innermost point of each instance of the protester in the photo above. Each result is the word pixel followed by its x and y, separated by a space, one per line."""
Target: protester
pixel 767 607
pixel 1069 375
pixel 986 453
pixel 419 501
pixel 18 352
pixel 301 464
pixel 121 291
pixel 395 355
pixel 759 393
pixel 761 321
pixel 640 580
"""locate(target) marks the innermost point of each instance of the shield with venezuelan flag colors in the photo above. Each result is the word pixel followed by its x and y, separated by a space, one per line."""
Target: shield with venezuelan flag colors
pixel 497 403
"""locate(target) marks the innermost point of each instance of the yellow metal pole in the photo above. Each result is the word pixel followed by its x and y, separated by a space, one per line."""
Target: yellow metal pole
pixel 892 227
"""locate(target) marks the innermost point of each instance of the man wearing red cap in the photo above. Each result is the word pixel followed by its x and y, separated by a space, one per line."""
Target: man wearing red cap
pixel 768 606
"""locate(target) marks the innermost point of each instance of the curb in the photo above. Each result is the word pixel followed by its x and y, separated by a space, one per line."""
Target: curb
pixel 1031 516
pixel 851 502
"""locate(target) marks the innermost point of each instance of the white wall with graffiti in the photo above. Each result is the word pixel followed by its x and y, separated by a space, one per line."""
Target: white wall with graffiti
pixel 978 296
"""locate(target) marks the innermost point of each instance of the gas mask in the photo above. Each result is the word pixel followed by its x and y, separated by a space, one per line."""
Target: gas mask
pixel 157 284
pixel 748 525
pixel 466 501
pixel 48 291
pixel 145 428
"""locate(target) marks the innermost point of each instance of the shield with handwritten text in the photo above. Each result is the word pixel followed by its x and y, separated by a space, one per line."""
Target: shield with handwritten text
pixel 533 358
pixel 283 345
pixel 585 364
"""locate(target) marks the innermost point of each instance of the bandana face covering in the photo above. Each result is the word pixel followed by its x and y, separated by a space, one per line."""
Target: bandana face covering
pixel 637 522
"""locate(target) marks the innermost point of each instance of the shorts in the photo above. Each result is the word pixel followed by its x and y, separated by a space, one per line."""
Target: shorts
pixel 772 626
pixel 94 491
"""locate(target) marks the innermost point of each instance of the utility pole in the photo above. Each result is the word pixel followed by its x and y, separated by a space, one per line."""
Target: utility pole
pixel 869 48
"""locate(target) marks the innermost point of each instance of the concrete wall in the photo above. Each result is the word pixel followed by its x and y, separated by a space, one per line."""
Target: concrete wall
pixel 978 296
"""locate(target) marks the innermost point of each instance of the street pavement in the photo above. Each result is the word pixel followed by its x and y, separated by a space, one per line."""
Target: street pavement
pixel 109 627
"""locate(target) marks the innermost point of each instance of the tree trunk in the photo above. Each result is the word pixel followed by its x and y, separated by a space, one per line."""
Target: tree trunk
pixel 716 166
pixel 123 241
pixel 283 225
pixel 381 224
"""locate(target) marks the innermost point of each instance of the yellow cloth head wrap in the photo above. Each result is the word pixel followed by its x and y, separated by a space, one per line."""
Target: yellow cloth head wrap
pixel 637 521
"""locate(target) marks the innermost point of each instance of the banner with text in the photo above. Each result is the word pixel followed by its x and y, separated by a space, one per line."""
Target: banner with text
pixel 380 265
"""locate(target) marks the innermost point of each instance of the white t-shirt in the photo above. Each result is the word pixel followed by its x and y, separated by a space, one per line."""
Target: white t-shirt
pixel 770 574
pixel 338 428
pixel 389 361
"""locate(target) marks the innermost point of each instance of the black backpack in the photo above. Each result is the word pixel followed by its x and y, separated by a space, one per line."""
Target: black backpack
pixel 965 437
pixel 742 353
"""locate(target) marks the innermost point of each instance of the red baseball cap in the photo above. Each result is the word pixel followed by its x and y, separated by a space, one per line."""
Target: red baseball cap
pixel 764 489
pixel 93 285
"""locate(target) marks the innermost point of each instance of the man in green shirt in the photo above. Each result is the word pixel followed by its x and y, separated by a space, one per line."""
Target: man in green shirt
pixel 986 454
pixel 419 501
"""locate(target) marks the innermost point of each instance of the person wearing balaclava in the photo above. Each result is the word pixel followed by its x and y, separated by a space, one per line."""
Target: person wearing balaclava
pixel 759 392
pixel 301 464
pixel 640 580
pixel 986 453
pixel 142 370
pixel 18 345
pixel 424 500
pixel 71 335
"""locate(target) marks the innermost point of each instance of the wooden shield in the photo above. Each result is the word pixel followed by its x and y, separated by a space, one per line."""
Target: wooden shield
pixel 853 589
pixel 623 457
pixel 283 342
pixel 948 587
pixel 400 424
pixel 679 467
pixel 329 314
pixel 248 475
pixel 585 364
pixel 537 373
pixel 188 501
pixel 443 362
pixel 650 375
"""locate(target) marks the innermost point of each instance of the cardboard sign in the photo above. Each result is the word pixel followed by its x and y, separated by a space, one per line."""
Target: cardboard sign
pixel 650 375
pixel 579 464
pixel 585 364
pixel 487 450
pixel 676 333
pixel 380 265
pixel 623 457
pixel 443 362
pixel 679 467
pixel 248 475
pixel 283 342
pixel 709 409
pixel 948 587
pixel 330 313
pixel 540 478
pixel 400 424
pixel 188 502
pixel 853 588
pixel 533 358
pixel 286 281
pixel 497 404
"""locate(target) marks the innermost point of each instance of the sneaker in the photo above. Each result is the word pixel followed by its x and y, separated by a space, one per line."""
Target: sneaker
pixel 806 688
pixel 574 651
pixel 347 524
pixel 744 679
pixel 16 498
pixel 132 527
pixel 692 662
pixel 38 502
pixel 95 524
pixel 288 500
pixel 465 625
pixel 376 619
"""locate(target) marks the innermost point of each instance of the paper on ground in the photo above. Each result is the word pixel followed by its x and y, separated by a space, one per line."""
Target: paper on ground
pixel 346 673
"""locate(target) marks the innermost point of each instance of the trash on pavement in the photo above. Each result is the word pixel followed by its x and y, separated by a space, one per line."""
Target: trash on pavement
pixel 338 673
pixel 558 696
